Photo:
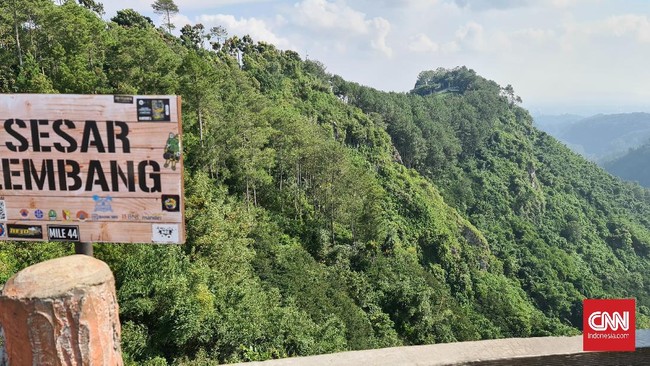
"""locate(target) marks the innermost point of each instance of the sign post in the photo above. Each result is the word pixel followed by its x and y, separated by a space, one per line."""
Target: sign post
pixel 83 248
pixel 91 168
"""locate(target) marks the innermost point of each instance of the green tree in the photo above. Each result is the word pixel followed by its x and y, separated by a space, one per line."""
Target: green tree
pixel 219 33
pixel 71 44
pixel 18 25
pixel 141 61
pixel 30 79
pixel 166 8
pixel 131 18
pixel 93 5
pixel 199 83
pixel 193 36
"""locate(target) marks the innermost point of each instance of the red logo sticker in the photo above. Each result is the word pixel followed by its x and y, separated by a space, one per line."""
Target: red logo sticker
pixel 608 325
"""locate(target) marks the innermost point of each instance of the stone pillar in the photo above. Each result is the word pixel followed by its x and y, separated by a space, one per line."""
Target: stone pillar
pixel 62 312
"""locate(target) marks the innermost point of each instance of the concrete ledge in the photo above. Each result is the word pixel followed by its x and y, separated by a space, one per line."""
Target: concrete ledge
pixel 511 351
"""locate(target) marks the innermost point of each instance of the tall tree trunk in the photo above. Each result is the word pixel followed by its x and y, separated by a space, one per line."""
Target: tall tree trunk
pixel 169 22
pixel 248 194
pixel 18 48
pixel 200 123
pixel 332 222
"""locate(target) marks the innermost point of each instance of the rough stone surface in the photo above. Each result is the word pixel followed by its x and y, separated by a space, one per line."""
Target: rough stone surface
pixel 507 352
pixel 62 312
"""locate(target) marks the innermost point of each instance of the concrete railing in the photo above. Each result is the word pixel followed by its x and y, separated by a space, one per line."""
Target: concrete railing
pixel 64 311
pixel 508 352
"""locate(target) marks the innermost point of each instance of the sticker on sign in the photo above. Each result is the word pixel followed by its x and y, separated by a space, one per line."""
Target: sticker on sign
pixel 63 232
pixel 164 233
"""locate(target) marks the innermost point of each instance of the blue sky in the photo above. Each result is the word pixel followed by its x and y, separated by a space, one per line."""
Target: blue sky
pixel 561 56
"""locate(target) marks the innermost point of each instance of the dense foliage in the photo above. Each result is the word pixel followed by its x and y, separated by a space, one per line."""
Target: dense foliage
pixel 325 216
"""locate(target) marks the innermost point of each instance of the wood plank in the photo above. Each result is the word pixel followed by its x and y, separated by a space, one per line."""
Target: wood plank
pixel 78 107
pixel 114 209
pixel 103 232
pixel 169 184
pixel 101 136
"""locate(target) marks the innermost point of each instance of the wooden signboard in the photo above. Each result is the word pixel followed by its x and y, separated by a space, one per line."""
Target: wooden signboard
pixel 91 168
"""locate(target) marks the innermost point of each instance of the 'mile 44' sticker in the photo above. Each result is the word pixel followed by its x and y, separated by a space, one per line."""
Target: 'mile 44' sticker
pixel 63 232
pixel 609 325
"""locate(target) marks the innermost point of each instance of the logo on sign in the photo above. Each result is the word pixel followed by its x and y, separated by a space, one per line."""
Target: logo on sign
pixel 25 231
pixel 39 214
pixel 602 320
pixel 608 325
pixel 63 232
pixel 67 215
pixel 103 204
pixel 170 202
pixel 24 213
pixel 82 215
pixel 2 230
pixel 52 215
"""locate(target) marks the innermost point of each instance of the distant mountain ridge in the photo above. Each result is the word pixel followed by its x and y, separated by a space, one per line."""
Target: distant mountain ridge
pixel 601 137
pixel 633 166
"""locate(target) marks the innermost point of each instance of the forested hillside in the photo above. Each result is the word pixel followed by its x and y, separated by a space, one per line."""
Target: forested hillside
pixel 633 166
pixel 325 216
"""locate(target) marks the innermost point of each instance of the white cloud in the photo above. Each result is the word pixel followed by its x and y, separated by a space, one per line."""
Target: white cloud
pixel 422 43
pixel 637 25
pixel 607 33
pixel 398 3
pixel 535 34
pixel 572 3
pixel 258 29
pixel 337 18
pixel 450 47
pixel 179 20
pixel 471 35
pixel 382 28
pixel 184 5
pixel 503 5
pixel 471 30
pixel 481 5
